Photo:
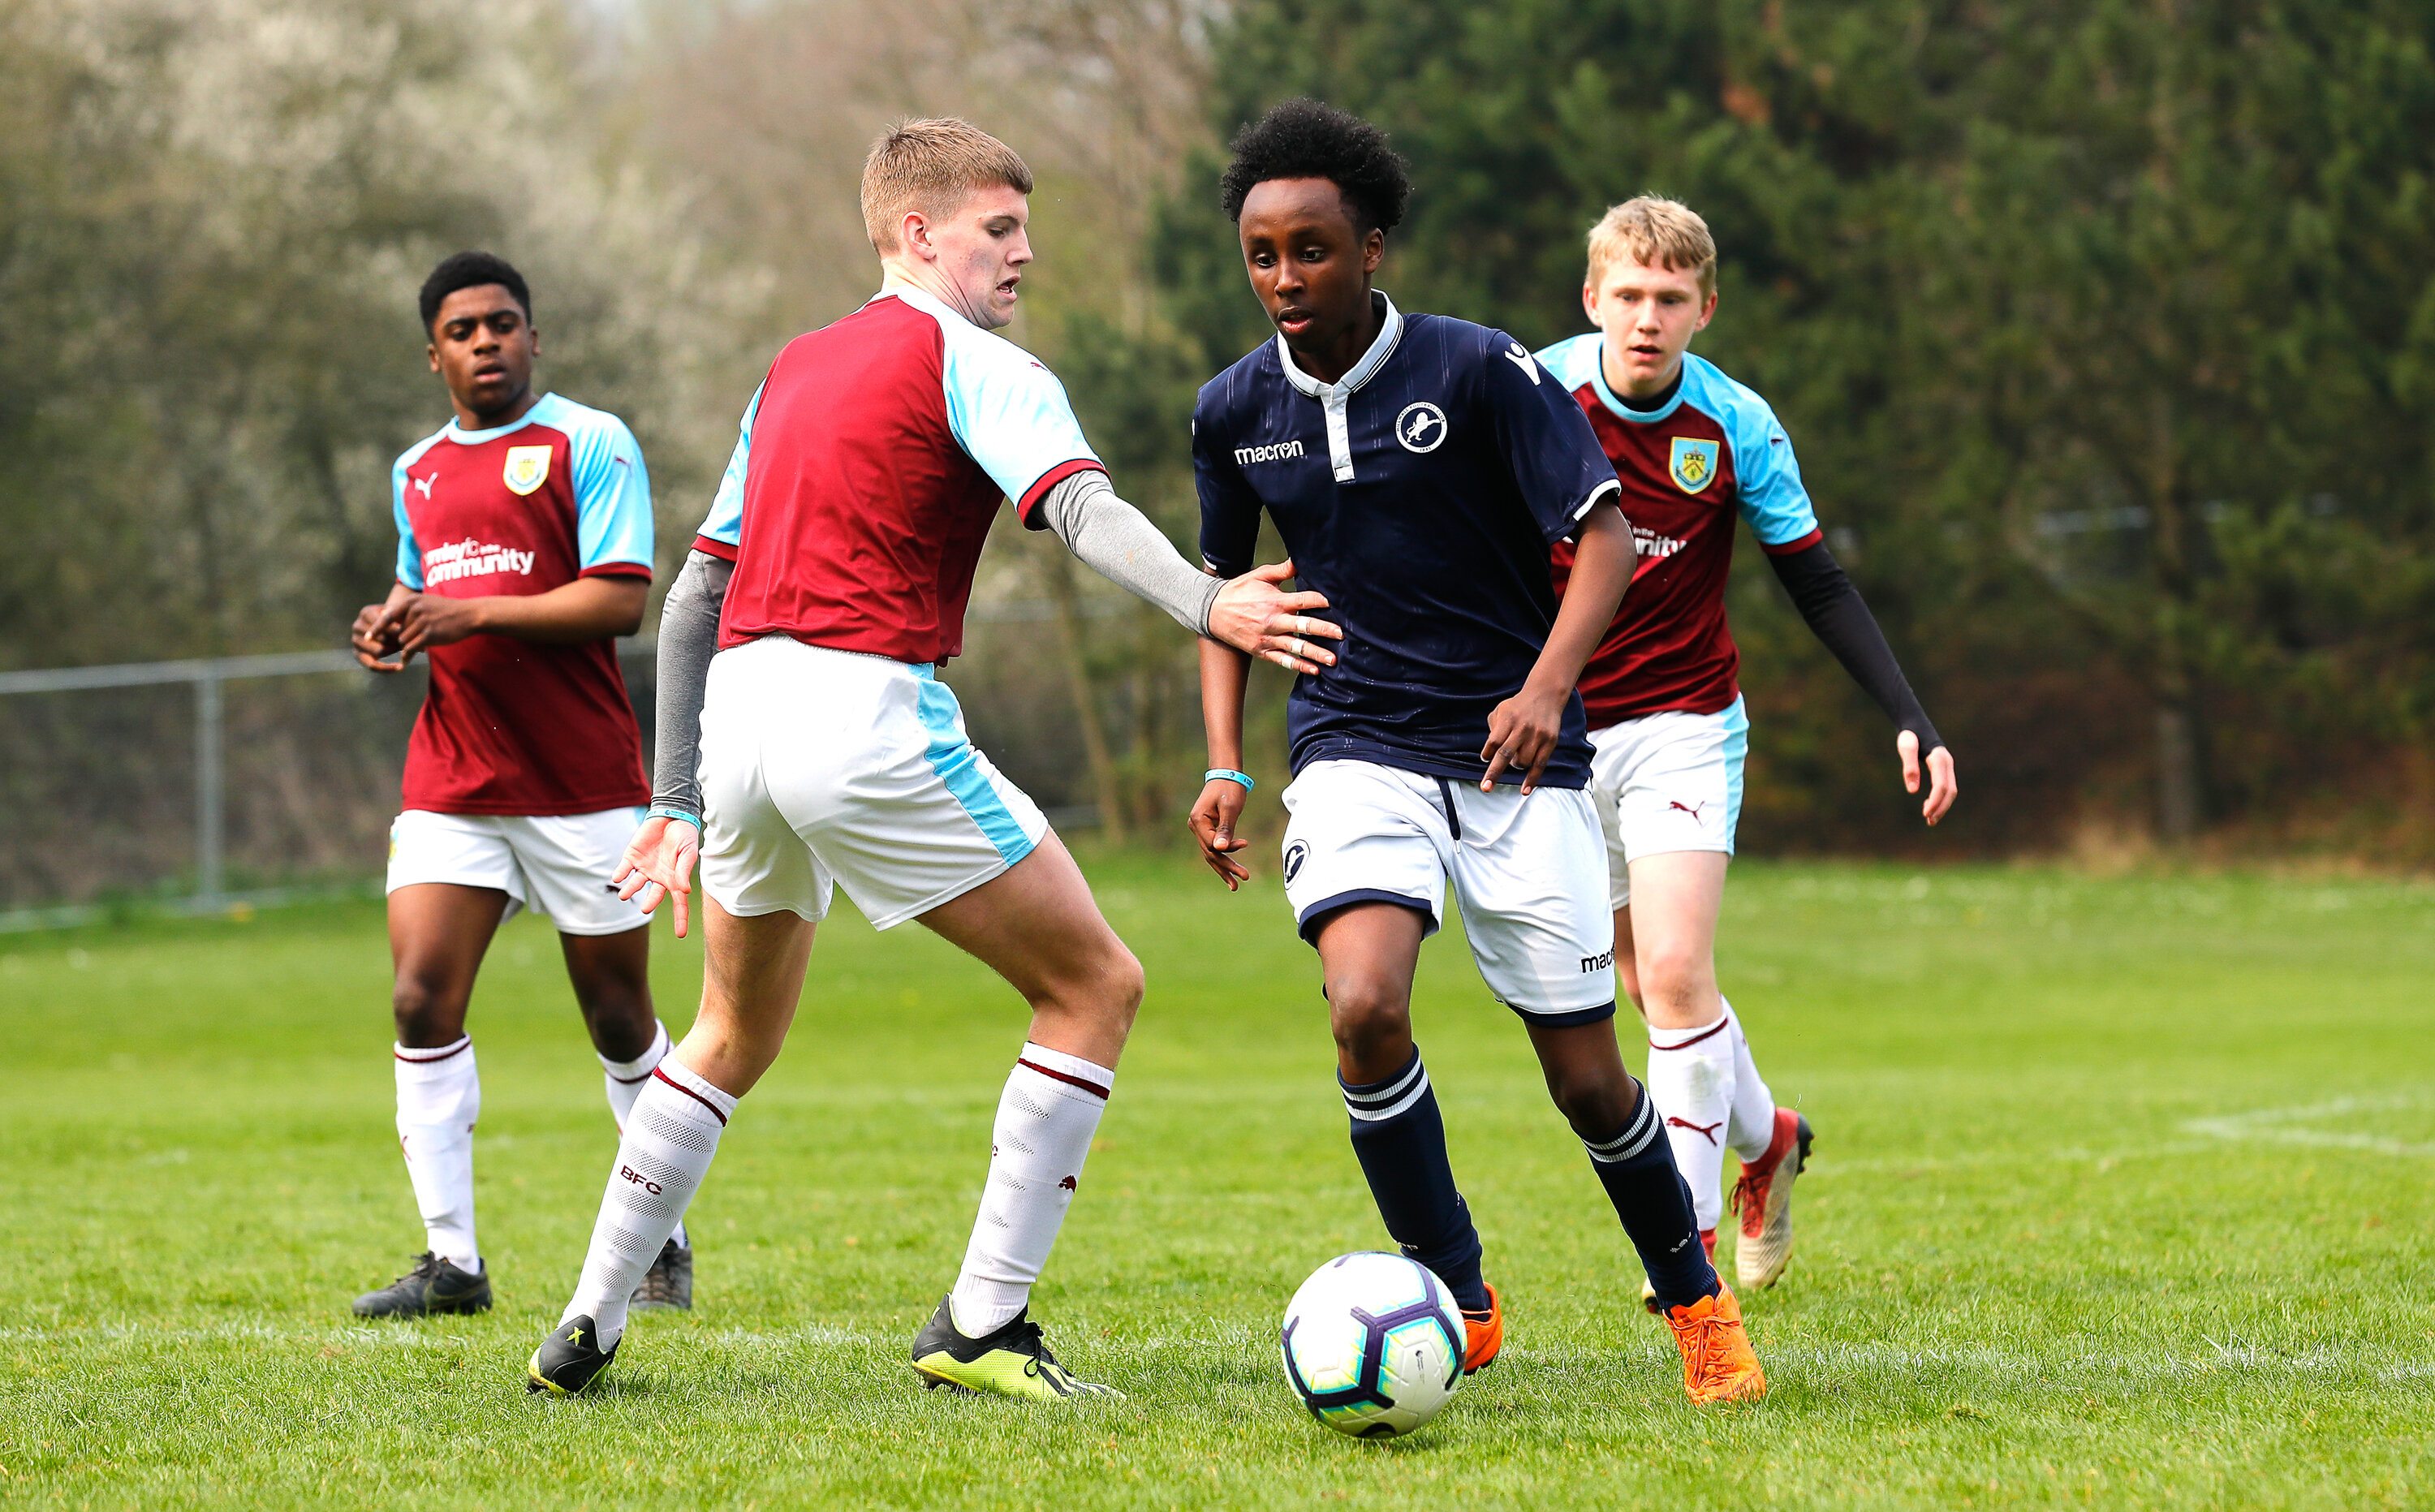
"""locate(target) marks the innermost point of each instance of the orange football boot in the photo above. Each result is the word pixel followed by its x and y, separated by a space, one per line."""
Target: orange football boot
pixel 1717 1361
pixel 1483 1335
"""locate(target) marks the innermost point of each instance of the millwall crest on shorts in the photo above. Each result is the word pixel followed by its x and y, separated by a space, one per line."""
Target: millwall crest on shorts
pixel 529 468
pixel 1693 464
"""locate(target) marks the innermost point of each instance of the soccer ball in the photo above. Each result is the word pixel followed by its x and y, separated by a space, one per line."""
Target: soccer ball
pixel 1373 1345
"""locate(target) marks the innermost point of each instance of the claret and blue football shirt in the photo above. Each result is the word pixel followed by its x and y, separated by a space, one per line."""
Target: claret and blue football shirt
pixel 513 725
pixel 1421 494
pixel 869 470
pixel 1686 468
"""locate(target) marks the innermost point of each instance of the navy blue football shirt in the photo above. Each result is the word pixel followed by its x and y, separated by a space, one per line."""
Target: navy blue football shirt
pixel 1421 494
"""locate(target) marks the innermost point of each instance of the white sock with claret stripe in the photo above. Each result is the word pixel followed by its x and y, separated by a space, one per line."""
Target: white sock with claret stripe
pixel 624 1080
pixel 1691 1077
pixel 670 1136
pixel 1752 1128
pixel 1046 1118
pixel 439 1101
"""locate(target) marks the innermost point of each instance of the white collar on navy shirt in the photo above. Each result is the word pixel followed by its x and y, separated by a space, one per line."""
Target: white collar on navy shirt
pixel 1390 332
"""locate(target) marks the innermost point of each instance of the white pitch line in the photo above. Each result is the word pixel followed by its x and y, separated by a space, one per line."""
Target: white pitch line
pixel 2288 1125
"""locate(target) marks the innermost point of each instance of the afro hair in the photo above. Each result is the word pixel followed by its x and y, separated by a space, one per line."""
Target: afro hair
pixel 471 271
pixel 1306 139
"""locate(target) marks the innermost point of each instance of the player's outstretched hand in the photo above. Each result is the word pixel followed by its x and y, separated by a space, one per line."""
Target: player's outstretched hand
pixel 1522 735
pixel 375 637
pixel 1942 788
pixel 1213 824
pixel 1254 615
pixel 658 863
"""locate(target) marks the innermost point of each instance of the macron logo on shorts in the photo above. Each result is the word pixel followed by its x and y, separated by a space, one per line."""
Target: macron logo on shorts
pixel 1596 963
pixel 1296 854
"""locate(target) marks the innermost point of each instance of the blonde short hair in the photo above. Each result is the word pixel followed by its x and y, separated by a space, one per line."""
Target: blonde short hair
pixel 931 166
pixel 1655 233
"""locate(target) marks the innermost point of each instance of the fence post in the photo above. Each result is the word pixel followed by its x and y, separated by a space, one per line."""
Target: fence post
pixel 210 816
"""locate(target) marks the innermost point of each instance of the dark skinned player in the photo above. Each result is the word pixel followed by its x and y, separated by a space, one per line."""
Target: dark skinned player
pixel 1418 468
pixel 525 549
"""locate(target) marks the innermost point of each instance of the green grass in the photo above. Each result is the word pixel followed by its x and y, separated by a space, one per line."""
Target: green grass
pixel 2122 1198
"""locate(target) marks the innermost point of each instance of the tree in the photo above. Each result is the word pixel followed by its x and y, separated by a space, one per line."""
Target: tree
pixel 2102 326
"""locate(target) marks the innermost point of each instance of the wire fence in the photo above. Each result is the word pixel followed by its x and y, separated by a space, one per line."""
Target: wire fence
pixel 205 785
pixel 200 785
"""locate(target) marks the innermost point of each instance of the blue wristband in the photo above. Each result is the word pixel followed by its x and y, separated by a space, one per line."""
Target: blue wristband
pixel 663 810
pixel 1216 772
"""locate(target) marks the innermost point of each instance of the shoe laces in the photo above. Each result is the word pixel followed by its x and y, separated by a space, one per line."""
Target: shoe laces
pixel 1700 1337
pixel 1752 1188
pixel 426 1267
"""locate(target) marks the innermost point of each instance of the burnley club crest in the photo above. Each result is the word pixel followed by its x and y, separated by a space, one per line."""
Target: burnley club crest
pixel 1693 464
pixel 529 468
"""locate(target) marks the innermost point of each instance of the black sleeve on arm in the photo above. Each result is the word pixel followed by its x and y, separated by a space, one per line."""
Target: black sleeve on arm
pixel 1825 595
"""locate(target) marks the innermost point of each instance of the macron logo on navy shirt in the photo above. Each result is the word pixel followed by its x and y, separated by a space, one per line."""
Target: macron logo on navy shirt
pixel 1274 452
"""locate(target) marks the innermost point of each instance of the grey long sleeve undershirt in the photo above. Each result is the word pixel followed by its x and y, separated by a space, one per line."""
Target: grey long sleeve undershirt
pixel 1110 535
pixel 1117 542
pixel 688 639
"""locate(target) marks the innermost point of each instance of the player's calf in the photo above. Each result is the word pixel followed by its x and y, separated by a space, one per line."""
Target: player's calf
pixel 1636 1167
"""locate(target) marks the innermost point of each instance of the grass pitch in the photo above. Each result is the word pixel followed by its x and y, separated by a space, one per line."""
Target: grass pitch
pixel 2121 1197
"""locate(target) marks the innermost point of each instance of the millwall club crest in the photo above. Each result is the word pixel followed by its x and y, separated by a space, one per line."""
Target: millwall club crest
pixel 529 468
pixel 1693 464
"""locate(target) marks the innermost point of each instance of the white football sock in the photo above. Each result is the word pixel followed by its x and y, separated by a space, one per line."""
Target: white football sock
pixel 669 1138
pixel 624 1080
pixel 1752 1128
pixel 1046 1118
pixel 438 1100
pixel 1691 1076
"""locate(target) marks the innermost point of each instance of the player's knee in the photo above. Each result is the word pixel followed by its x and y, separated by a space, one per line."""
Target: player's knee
pixel 1595 1101
pixel 1122 985
pixel 1674 978
pixel 427 1013
pixel 1105 991
pixel 1367 1012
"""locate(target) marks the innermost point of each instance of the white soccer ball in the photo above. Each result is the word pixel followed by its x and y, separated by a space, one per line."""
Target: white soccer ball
pixel 1373 1344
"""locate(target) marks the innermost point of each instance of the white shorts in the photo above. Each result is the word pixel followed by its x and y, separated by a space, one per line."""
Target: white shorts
pixel 1670 782
pixel 559 865
pixel 823 767
pixel 1526 875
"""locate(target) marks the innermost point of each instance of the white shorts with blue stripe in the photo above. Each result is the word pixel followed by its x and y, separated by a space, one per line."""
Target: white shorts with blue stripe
pixel 821 767
pixel 1665 782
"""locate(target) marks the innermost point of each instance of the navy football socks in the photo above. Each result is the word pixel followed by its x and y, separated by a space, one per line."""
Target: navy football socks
pixel 1400 1140
pixel 1636 1167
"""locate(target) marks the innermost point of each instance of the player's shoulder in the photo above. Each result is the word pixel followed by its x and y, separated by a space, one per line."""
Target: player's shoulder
pixel 414 453
pixel 583 426
pixel 1248 380
pixel 972 352
pixel 1572 362
pixel 1452 344
pixel 1735 405
pixel 1454 338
